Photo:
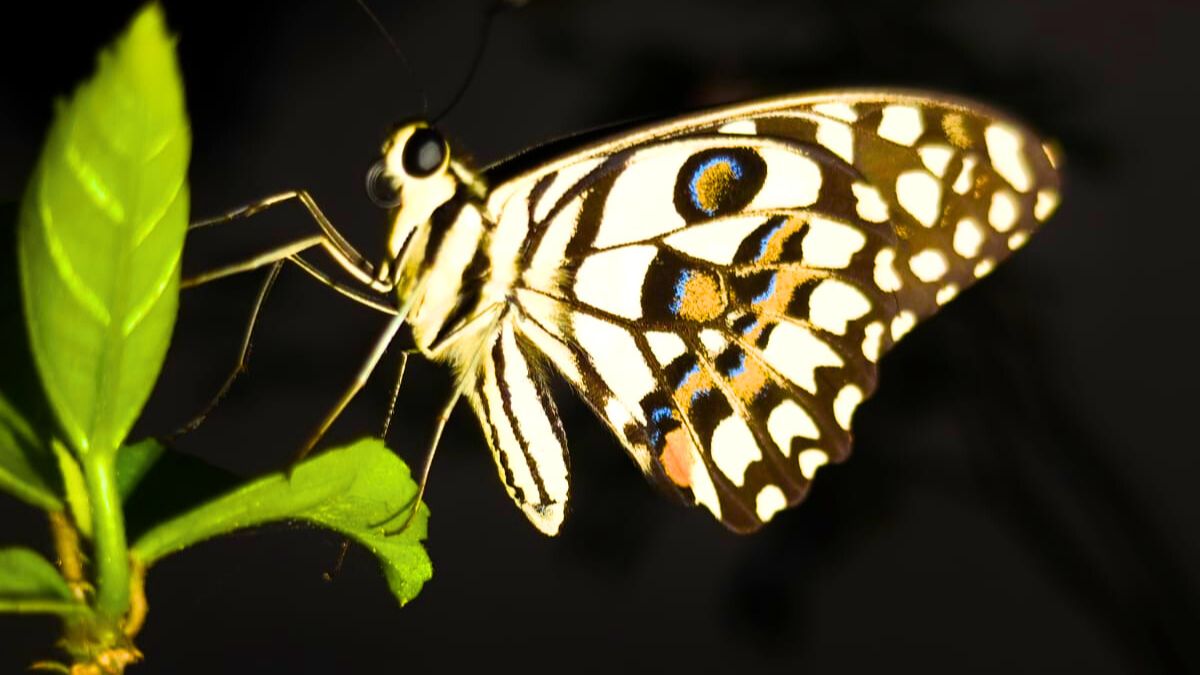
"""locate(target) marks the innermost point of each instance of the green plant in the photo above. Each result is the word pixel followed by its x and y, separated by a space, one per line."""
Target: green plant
pixel 99 239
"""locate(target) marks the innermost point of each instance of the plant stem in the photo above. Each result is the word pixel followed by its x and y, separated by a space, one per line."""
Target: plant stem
pixel 109 552
pixel 70 559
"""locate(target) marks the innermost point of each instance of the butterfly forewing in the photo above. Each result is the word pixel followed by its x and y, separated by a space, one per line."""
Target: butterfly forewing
pixel 720 288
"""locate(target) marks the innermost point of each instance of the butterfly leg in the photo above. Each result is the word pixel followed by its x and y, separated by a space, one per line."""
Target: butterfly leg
pixel 465 380
pixel 347 257
pixel 329 240
pixel 391 411
pixel 243 357
pixel 364 373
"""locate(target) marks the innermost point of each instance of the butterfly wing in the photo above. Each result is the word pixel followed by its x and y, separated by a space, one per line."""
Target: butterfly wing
pixel 720 288
pixel 522 428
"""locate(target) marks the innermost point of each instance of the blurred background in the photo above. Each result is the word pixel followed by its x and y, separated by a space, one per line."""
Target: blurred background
pixel 1022 491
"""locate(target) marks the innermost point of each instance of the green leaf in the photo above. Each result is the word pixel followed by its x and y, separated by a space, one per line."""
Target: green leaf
pixel 362 490
pixel 100 234
pixel 26 465
pixel 30 584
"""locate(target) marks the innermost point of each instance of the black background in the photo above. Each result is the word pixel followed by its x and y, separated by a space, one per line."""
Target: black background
pixel 1021 497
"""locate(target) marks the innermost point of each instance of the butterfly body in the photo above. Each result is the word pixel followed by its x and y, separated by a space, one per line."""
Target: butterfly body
pixel 718 288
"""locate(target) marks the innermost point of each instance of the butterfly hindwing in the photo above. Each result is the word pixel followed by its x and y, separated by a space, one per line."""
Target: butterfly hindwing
pixel 522 428
pixel 720 288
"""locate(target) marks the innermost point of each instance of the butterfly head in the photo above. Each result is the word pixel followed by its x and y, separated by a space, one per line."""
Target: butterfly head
pixel 413 177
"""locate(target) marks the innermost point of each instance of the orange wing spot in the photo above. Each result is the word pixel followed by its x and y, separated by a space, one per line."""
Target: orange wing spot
pixel 696 382
pixel 700 297
pixel 749 382
pixel 676 458
pixel 787 280
pixel 773 250
pixel 712 185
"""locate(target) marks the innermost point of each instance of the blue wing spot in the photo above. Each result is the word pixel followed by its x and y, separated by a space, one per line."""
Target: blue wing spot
pixel 766 239
pixel 687 376
pixel 735 167
pixel 699 394
pixel 680 291
pixel 657 417
pixel 766 294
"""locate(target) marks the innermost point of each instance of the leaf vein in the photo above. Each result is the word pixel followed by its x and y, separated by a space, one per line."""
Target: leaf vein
pixel 75 284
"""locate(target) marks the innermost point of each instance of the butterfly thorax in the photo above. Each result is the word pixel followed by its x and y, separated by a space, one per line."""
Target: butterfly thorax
pixel 437 240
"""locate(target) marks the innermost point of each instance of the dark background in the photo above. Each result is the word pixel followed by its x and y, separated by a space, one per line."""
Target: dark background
pixel 1022 493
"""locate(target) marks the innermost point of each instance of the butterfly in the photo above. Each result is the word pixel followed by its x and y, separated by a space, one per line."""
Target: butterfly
pixel 719 288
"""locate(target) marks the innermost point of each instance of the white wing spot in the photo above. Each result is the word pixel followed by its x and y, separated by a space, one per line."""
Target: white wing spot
pixel 968 237
pixel 886 277
pixel 639 205
pixel 966 177
pixel 545 269
pixel 845 403
pixel 787 421
pixel 901 124
pixel 837 137
pixel 921 195
pixel 616 357
pixel 666 347
pixel 715 241
pixel 984 267
pixel 566 179
pixel 946 293
pixel 1005 147
pixel 842 111
pixel 928 265
pixel 830 244
pixel 618 416
pixel 612 280
pixel 833 303
pixel 1002 214
pixel 713 341
pixel 936 157
pixel 903 323
pixel 734 449
pixel 796 353
pixel 1017 240
pixel 740 127
pixel 873 341
pixel 703 489
pixel 770 500
pixel 793 181
pixel 811 460
pixel 871 206
pixel 1047 202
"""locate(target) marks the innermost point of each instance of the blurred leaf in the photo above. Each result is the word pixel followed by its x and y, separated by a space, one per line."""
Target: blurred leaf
pixel 22 469
pixel 134 462
pixel 26 466
pixel 74 487
pixel 30 584
pixel 361 490
pixel 99 237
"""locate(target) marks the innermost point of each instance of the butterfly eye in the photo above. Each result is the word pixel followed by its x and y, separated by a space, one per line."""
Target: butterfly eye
pixel 381 188
pixel 424 153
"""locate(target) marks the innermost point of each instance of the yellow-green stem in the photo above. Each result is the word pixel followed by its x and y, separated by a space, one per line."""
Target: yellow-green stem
pixel 110 558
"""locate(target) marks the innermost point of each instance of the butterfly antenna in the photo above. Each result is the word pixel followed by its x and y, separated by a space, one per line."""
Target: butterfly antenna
pixel 485 29
pixel 408 69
